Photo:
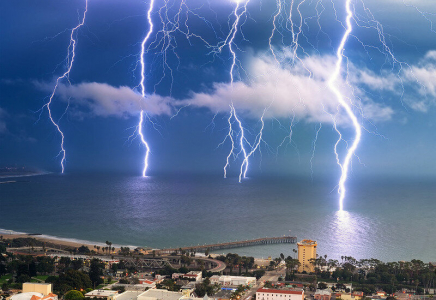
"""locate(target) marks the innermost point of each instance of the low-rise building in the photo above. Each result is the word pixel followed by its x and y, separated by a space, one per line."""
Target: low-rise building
pixel 232 280
pixel 147 283
pixel 101 294
pixel 274 294
pixel 157 294
pixel 34 296
pixel 191 276
pixel 322 295
pixel 349 296
pixel 128 295
pixel 403 296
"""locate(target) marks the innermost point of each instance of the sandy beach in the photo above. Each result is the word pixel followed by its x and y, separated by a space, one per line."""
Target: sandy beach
pixel 56 242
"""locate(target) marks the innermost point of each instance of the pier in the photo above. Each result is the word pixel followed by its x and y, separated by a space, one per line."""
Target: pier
pixel 230 245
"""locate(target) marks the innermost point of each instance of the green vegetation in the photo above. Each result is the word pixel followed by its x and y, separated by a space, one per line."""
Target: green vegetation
pixel 369 275
pixel 238 292
pixel 235 261
pixel 169 285
pixel 206 287
pixel 74 295
pixel 5 278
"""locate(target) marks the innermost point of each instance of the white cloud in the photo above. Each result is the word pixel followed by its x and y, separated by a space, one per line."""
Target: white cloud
pixel 105 100
pixel 280 91
pixel 422 79
pixel 299 90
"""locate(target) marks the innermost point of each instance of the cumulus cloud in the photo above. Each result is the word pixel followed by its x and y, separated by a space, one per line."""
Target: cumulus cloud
pixel 276 91
pixel 299 90
pixel 422 78
pixel 106 100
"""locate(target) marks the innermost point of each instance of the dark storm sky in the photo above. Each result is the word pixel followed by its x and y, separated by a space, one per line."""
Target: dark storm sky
pixel 393 98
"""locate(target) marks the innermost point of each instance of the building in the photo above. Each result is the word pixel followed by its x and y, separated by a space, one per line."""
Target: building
pixel 155 294
pixel 42 288
pixel 128 295
pixel 403 296
pixel 349 296
pixel 34 296
pixel 273 294
pixel 101 294
pixel 191 276
pixel 232 280
pixel 306 252
pixel 322 295
pixel 147 283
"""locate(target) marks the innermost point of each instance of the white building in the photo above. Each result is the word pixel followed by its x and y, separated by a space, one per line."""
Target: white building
pixel 104 294
pixel 191 276
pixel 273 294
pixel 128 295
pixel 34 296
pixel 157 294
pixel 232 280
pixel 147 283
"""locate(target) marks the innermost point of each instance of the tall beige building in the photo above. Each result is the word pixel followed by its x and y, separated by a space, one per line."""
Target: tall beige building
pixel 306 251
pixel 43 288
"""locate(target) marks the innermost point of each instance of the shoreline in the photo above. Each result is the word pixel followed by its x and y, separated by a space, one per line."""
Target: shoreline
pixel 59 241
pixel 72 243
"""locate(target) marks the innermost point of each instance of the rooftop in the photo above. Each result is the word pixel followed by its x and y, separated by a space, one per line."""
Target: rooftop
pixel 274 291
pixel 102 293
pixel 26 296
pixel 160 295
pixel 129 295
pixel 322 292
pixel 307 243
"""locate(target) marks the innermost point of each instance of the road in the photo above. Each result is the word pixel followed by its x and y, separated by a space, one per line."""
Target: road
pixel 269 276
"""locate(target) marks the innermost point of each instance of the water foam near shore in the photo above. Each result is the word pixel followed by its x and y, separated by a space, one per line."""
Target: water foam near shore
pixel 10 234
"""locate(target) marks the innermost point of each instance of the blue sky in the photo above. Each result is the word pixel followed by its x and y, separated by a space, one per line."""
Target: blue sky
pixel 391 86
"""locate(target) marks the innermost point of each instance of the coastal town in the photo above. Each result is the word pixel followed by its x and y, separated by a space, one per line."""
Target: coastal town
pixel 32 268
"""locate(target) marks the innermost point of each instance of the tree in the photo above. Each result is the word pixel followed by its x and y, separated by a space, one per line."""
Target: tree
pixel 258 273
pixel 76 264
pixel 73 279
pixel 96 271
pixel 74 295
pixel 322 285
pixel 205 287
pixel 83 250
pixel 5 287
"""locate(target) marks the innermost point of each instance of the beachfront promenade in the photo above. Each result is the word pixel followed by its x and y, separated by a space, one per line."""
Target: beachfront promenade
pixel 229 245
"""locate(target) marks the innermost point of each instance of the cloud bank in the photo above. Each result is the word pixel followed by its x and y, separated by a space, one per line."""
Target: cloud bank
pixel 276 91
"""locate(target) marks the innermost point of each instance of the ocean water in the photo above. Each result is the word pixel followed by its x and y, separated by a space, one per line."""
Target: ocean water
pixel 387 219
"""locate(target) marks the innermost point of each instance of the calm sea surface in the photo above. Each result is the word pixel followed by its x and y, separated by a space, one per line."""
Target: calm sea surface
pixel 385 219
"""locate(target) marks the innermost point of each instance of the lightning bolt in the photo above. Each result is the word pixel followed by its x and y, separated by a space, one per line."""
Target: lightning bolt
pixel 229 41
pixel 278 12
pixel 71 54
pixel 244 165
pixel 143 113
pixel 331 84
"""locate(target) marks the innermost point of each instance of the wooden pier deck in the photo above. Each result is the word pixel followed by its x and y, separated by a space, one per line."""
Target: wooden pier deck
pixel 229 245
